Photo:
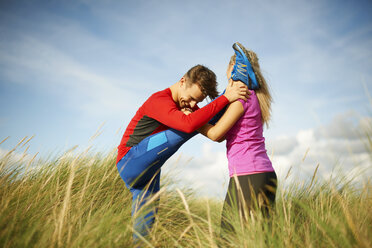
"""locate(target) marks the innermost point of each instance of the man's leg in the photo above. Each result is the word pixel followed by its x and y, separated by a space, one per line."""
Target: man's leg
pixel 143 213
pixel 143 161
pixel 140 168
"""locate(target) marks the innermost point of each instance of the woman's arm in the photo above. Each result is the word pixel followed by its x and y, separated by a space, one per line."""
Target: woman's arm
pixel 217 132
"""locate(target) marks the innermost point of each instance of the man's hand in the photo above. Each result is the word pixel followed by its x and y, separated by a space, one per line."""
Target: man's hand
pixel 186 111
pixel 236 90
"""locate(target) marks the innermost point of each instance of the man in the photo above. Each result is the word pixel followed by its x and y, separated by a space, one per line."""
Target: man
pixel 159 128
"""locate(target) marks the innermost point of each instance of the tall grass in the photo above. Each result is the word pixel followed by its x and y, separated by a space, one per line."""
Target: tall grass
pixel 79 200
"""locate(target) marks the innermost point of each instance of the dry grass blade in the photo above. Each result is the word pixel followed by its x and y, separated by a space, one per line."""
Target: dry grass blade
pixel 288 172
pixel 28 140
pixel 142 238
pixel 189 214
pixel 4 140
pixel 313 178
pixel 210 229
pixel 304 157
pixel 349 219
pixel 184 232
pixel 65 206
pixel 98 132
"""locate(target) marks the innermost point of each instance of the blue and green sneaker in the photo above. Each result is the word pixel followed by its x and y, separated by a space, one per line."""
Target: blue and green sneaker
pixel 243 70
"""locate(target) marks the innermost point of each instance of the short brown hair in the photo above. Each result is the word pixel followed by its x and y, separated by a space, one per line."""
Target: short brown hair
pixel 205 78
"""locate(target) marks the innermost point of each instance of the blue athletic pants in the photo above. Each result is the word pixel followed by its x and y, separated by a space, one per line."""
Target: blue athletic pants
pixel 140 170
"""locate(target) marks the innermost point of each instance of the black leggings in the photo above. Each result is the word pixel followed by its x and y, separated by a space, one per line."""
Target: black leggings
pixel 246 193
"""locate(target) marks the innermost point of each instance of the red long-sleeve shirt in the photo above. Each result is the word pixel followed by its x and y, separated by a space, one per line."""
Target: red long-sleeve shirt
pixel 160 113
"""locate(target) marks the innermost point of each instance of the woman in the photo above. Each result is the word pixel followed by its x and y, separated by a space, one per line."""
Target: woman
pixel 252 177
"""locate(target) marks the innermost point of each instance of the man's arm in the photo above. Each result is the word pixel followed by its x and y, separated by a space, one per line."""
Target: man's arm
pixel 166 111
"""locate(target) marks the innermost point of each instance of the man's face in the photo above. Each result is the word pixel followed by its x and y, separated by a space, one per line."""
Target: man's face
pixel 190 95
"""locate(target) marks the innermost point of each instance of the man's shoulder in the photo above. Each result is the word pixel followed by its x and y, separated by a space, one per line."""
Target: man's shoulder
pixel 163 97
pixel 158 102
pixel 166 93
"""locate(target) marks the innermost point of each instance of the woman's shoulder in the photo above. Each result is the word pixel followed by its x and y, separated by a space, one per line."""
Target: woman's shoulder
pixel 251 100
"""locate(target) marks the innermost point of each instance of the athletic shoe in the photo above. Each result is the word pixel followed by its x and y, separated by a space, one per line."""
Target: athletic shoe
pixel 242 70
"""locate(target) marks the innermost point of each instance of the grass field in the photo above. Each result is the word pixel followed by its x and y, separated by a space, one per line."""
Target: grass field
pixel 79 200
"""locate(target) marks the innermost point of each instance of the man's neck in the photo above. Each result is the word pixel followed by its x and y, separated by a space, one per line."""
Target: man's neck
pixel 174 90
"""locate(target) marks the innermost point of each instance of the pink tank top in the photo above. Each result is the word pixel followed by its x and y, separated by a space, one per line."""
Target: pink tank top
pixel 246 153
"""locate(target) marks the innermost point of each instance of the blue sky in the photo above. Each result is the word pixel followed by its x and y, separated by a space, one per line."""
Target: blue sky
pixel 66 67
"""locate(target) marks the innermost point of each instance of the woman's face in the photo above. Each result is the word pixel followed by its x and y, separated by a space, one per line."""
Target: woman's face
pixel 229 69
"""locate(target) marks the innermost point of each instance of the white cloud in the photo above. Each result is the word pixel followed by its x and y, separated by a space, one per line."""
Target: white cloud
pixel 343 126
pixel 206 173
pixel 282 145
pixel 330 149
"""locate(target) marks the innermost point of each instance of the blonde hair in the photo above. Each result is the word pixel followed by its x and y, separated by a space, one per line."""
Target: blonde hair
pixel 263 92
